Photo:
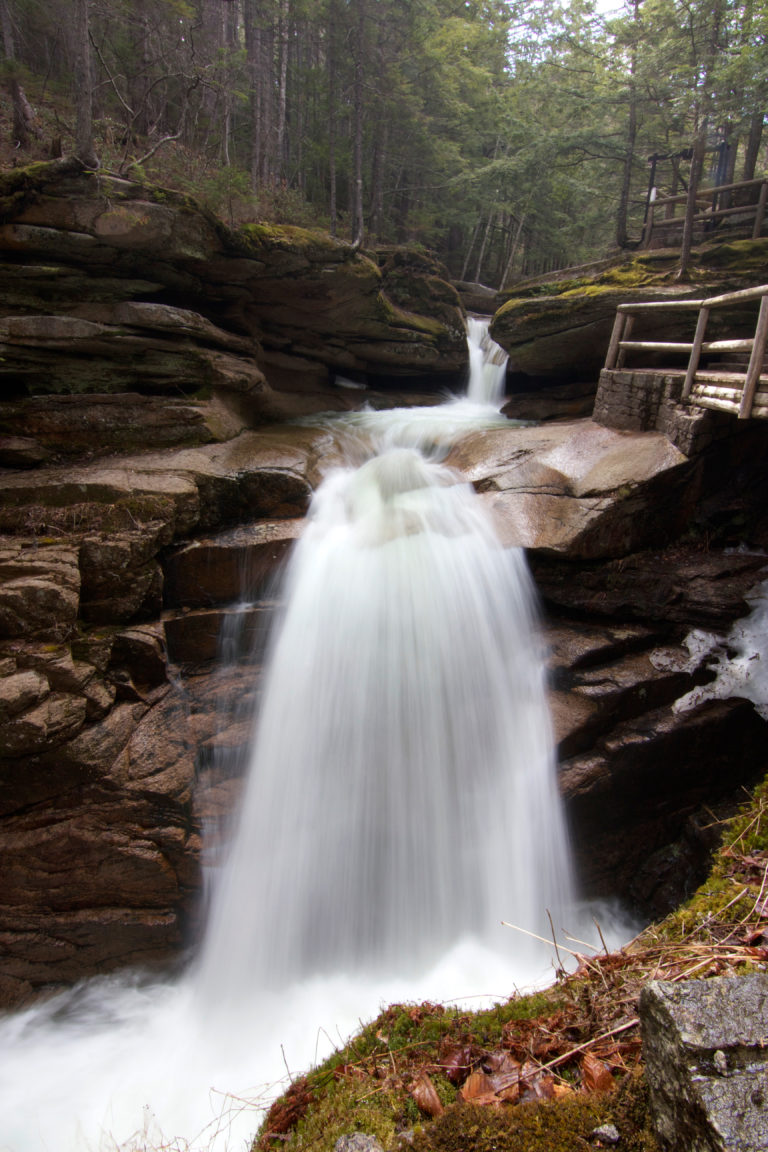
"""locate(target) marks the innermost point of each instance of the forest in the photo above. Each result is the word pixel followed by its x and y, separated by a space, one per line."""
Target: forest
pixel 509 137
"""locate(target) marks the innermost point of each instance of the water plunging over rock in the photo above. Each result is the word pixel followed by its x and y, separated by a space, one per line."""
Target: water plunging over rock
pixel 402 791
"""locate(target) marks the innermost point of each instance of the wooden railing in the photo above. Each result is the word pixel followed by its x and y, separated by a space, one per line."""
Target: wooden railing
pixel 746 382
pixel 707 210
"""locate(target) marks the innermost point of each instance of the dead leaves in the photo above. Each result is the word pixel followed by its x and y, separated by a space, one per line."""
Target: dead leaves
pixel 595 1075
pixel 425 1094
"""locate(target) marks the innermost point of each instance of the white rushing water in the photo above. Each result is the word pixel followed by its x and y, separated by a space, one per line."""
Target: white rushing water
pixel 401 803
pixel 487 364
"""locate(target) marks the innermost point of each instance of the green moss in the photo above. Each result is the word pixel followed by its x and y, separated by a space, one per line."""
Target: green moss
pixel 351 1108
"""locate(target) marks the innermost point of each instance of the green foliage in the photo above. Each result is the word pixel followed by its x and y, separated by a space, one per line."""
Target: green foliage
pixel 499 133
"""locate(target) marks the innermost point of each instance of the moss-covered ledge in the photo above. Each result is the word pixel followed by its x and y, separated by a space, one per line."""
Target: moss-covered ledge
pixel 560 328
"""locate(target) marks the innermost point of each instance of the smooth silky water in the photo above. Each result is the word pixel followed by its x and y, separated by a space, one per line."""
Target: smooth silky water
pixel 400 804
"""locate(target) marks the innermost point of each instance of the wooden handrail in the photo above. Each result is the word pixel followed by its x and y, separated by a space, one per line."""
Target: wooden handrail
pixel 708 196
pixel 620 343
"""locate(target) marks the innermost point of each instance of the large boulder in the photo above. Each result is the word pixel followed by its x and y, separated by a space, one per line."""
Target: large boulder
pixel 578 489
pixel 706 1064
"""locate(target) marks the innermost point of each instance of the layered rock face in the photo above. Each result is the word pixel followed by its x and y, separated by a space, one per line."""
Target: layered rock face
pixel 113 287
pixel 98 832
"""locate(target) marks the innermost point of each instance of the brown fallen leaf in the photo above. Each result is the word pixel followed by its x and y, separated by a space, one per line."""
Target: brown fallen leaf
pixel 425 1094
pixel 456 1060
pixel 537 1088
pixel 476 1086
pixel 595 1075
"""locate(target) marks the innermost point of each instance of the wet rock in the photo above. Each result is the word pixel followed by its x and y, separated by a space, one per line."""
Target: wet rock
pixel 706 1062
pixel 103 872
pixel 290 288
pixel 686 585
pixel 578 489
pixel 39 589
pixel 625 805
pixel 65 426
pixel 21 451
pixel 565 335
pixel 196 637
pixel 234 565
pixel 557 402
pixel 20 692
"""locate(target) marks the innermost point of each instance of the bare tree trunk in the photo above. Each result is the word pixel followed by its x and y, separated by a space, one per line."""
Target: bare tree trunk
pixel 357 189
pixel 253 58
pixel 697 163
pixel 483 246
pixel 513 253
pixel 332 112
pixel 752 149
pixel 84 147
pixel 622 213
pixel 23 114
pixel 282 115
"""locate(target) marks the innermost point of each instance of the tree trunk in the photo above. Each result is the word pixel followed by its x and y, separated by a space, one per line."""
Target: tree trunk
pixel 697 163
pixel 752 149
pixel 483 246
pixel 622 213
pixel 84 147
pixel 254 53
pixel 513 253
pixel 23 115
pixel 282 112
pixel 357 178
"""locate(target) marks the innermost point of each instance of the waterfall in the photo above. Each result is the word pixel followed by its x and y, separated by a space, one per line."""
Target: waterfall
pixel 487 363
pixel 401 803
pixel 401 793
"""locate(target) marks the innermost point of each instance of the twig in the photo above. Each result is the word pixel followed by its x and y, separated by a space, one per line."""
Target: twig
pixel 600 934
pixel 588 1043
pixel 543 939
pixel 554 940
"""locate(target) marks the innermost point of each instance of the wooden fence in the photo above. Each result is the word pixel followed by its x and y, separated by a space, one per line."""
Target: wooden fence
pixel 743 392
pixel 712 206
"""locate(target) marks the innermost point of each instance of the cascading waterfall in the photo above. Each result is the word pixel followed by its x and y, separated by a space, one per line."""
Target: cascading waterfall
pixel 401 792
pixel 487 363
pixel 401 803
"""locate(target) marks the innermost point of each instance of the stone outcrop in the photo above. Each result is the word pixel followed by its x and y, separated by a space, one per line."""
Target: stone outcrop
pixel 112 567
pixel 98 832
pixel 705 1062
pixel 577 489
pixel 558 328
pixel 111 287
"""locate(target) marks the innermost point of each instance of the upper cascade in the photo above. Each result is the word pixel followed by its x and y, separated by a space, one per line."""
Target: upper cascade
pixel 487 363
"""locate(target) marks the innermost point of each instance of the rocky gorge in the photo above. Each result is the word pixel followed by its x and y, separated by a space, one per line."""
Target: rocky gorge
pixel 153 361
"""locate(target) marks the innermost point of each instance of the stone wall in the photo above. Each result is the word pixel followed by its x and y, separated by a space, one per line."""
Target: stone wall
pixel 649 400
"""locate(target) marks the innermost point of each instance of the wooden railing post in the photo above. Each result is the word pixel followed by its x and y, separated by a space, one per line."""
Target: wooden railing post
pixel 612 354
pixel 693 362
pixel 629 323
pixel 755 361
pixel 760 210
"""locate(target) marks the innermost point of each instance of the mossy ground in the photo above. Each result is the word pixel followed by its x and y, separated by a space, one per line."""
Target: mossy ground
pixel 577 1038
pixel 719 266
